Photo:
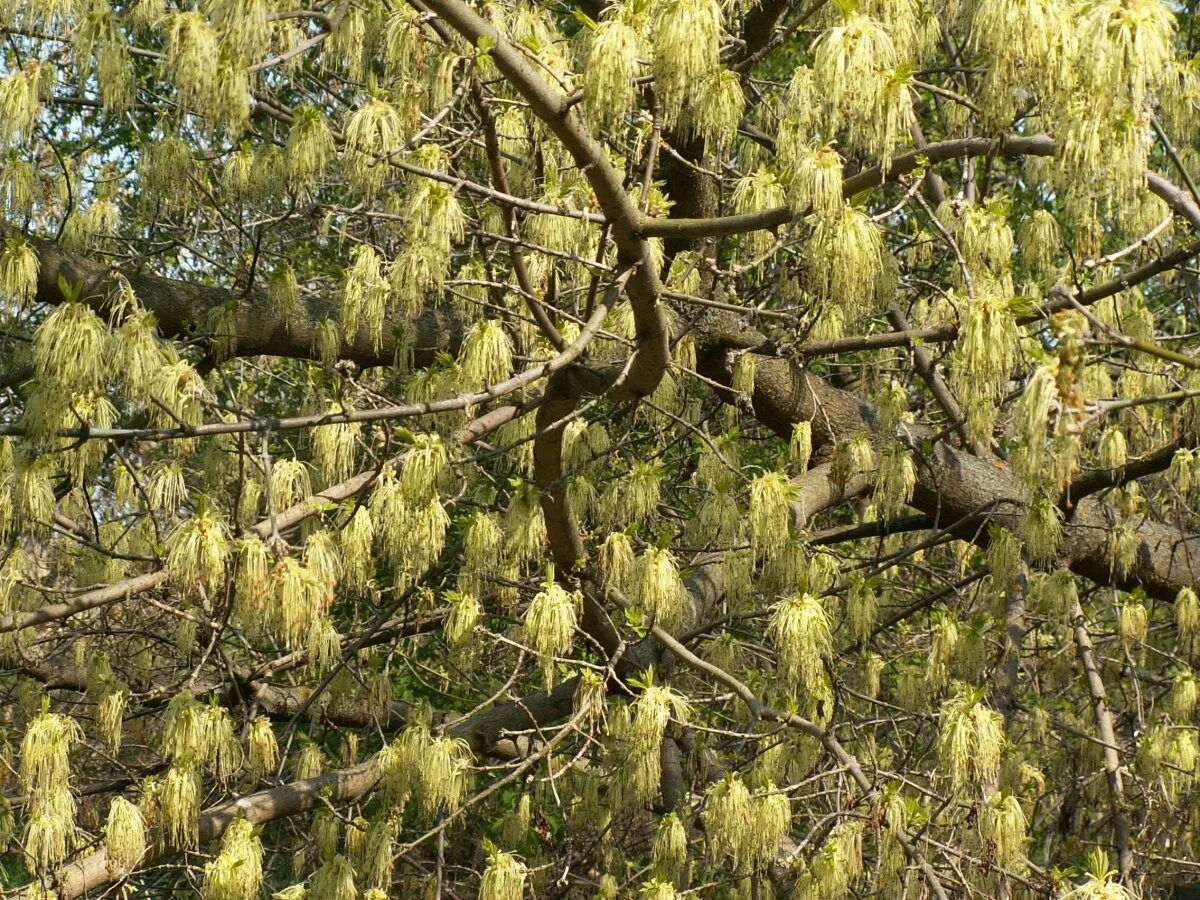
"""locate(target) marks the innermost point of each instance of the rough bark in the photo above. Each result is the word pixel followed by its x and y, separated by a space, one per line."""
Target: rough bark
pixel 955 486
pixel 180 308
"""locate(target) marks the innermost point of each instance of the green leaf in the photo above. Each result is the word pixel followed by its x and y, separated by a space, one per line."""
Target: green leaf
pixel 484 47
pixel 1022 306
pixel 588 22
pixel 71 292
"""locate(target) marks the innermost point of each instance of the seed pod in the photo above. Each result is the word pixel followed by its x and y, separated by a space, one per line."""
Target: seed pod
pixel 800 630
pixel 658 589
pixel 770 513
pixel 262 757
pixel 970 741
pixel 334 881
pixel 504 877
pixel 236 872
pixel 550 624
pixel 179 807
pixel 125 835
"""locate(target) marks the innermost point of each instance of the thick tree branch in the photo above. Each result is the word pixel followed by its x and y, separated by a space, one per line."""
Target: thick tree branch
pixel 549 105
pixel 1096 480
pixel 93 599
pixel 1012 147
pixel 262 328
pixel 953 485
pixel 565 359
pixel 778 216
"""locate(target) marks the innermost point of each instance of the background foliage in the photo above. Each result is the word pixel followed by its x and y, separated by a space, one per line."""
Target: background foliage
pixel 679 447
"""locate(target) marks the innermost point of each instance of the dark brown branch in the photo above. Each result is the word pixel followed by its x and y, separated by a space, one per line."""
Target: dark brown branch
pixel 262 328
pixel 776 217
pixel 1096 480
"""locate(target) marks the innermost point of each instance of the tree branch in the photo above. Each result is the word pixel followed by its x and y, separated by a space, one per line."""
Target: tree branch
pixel 339 787
pixel 1108 739
pixel 651 355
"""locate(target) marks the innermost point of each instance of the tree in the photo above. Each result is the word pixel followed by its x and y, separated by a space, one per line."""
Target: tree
pixel 581 450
